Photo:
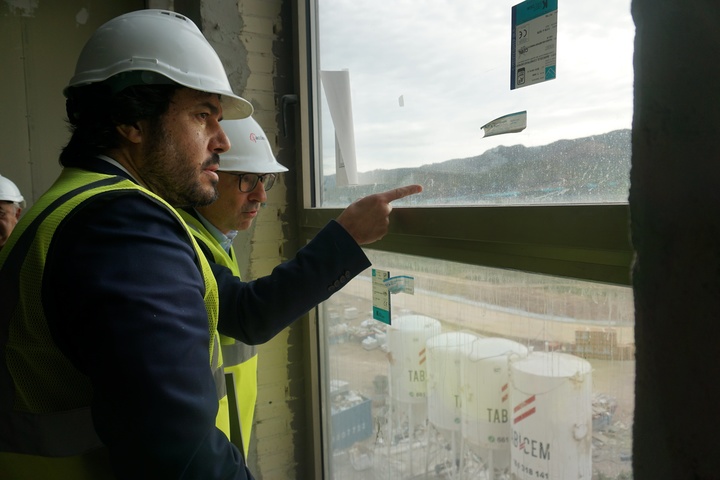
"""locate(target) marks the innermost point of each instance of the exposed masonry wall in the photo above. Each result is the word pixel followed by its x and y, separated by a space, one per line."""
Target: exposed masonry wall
pixel 246 34
pixel 279 418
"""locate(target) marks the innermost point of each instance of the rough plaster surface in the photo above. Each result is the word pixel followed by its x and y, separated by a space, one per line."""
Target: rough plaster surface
pixel 222 25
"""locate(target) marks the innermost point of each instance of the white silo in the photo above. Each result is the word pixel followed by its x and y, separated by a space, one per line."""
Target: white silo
pixel 551 395
pixel 444 355
pixel 405 454
pixel 486 398
pixel 406 339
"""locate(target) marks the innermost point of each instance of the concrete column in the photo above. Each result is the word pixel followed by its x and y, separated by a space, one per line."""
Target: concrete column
pixel 675 214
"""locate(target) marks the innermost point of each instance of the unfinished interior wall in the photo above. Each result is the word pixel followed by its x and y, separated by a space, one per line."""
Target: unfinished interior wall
pixel 39 45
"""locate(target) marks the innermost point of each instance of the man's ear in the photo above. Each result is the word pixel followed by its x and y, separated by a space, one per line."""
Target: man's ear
pixel 132 133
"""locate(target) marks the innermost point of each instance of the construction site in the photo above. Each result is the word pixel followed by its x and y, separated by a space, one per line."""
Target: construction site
pixel 459 387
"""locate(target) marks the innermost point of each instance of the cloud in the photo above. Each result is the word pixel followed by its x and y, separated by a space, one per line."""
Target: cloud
pixel 450 60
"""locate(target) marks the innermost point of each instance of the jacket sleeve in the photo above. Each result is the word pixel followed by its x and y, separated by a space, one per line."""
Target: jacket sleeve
pixel 254 312
pixel 124 301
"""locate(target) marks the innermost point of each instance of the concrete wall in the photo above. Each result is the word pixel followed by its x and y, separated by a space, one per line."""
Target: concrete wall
pixel 39 45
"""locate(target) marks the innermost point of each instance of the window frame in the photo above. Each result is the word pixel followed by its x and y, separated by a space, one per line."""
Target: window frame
pixel 584 241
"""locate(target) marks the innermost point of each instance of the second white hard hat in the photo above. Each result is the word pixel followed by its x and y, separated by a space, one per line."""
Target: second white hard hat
pixel 151 42
pixel 250 150
pixel 9 192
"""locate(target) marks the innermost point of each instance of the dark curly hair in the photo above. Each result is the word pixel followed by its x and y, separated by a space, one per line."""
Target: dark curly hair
pixel 94 111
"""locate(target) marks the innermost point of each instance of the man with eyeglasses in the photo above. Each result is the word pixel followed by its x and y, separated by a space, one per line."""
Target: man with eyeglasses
pixel 245 173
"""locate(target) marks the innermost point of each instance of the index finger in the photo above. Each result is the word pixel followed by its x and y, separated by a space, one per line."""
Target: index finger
pixel 400 192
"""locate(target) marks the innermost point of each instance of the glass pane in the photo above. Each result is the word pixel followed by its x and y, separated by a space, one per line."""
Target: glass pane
pixel 483 373
pixel 407 87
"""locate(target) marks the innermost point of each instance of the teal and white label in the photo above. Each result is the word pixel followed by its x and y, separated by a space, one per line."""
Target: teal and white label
pixel 401 283
pixel 511 123
pixel 381 296
pixel 533 54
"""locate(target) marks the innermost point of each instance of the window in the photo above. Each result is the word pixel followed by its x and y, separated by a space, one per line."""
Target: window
pixel 406 89
pixel 518 239
pixel 481 370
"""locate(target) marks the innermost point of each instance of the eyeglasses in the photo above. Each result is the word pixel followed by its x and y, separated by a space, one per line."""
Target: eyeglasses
pixel 248 181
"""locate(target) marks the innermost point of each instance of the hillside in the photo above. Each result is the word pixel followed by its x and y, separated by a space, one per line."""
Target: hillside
pixel 584 170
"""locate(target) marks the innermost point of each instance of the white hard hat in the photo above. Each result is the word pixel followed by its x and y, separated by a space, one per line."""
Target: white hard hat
pixel 151 42
pixel 9 192
pixel 250 150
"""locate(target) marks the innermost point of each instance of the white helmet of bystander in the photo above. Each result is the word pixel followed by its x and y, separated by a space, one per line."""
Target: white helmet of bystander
pixel 9 192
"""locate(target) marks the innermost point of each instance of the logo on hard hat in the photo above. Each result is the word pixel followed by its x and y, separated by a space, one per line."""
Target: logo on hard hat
pixel 255 137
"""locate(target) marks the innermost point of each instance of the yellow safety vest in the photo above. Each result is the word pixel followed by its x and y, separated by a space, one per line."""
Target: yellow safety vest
pixel 239 359
pixel 43 409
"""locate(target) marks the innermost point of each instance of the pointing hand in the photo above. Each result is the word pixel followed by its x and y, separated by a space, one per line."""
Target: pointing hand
pixel 367 219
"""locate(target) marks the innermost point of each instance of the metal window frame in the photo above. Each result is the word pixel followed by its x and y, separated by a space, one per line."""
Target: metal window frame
pixel 585 242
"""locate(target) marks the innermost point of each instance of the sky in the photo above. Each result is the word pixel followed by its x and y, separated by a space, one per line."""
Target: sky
pixel 450 62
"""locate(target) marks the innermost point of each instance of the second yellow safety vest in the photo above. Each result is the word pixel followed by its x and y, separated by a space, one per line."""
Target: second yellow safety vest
pixel 239 359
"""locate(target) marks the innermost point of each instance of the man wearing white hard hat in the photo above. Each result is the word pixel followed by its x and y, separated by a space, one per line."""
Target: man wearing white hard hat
pixel 246 173
pixel 112 365
pixel 11 205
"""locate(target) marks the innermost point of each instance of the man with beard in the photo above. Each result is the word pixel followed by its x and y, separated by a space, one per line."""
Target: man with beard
pixel 245 174
pixel 110 310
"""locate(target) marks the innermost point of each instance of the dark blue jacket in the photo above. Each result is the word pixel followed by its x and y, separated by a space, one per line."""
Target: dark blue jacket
pixel 124 299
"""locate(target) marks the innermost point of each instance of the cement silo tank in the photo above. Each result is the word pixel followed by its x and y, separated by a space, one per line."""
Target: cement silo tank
pixel 444 354
pixel 486 392
pixel 551 395
pixel 406 339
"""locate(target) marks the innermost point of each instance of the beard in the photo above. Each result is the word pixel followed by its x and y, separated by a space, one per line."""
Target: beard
pixel 171 173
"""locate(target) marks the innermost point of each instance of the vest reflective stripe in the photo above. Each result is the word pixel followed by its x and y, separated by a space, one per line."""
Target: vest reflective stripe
pixel 33 431
pixel 236 352
pixel 239 359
